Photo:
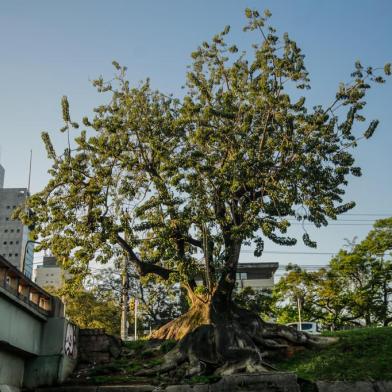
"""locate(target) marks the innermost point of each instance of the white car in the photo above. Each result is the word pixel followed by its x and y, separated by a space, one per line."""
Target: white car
pixel 306 326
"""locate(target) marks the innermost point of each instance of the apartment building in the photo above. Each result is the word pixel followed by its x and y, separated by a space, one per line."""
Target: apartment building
pixel 15 246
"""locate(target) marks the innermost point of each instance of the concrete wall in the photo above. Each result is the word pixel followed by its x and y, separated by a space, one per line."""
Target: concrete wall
pixel 11 371
pixel 57 358
pixel 19 326
pixel 34 350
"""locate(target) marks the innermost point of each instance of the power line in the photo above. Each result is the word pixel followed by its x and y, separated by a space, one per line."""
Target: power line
pixel 332 224
pixel 338 220
pixel 290 252
pixel 365 214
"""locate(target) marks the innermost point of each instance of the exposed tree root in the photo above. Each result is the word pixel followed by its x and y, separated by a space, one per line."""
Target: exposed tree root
pixel 176 329
pixel 237 341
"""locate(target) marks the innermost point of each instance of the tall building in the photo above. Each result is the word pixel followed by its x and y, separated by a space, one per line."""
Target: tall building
pixel 49 274
pixel 15 246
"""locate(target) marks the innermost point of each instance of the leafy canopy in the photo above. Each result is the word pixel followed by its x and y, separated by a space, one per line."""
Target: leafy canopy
pixel 158 177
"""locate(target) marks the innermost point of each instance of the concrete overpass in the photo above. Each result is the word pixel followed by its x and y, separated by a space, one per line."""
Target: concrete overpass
pixel 38 346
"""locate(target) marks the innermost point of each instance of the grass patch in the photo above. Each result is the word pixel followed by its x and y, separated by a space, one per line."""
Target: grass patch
pixel 105 370
pixel 137 345
pixel 154 362
pixel 167 345
pixel 359 355
pixel 147 354
pixel 133 367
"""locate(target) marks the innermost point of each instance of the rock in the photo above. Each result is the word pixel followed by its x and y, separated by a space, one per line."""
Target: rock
pixel 383 386
pixel 344 386
pixel 266 382
pixel 126 388
pixel 188 388
pixel 67 389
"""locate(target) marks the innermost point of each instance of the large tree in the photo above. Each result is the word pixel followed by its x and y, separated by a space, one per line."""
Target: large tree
pixel 180 185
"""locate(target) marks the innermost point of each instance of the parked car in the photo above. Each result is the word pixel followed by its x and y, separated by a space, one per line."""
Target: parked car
pixel 306 326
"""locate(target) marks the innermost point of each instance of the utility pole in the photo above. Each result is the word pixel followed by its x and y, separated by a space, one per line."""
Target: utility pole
pixel 125 298
pixel 136 306
pixel 299 314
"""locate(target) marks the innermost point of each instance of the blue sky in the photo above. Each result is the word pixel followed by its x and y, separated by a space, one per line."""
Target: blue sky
pixel 52 48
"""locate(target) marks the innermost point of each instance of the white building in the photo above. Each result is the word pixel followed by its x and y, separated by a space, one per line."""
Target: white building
pixel 49 274
pixel 256 275
pixel 14 242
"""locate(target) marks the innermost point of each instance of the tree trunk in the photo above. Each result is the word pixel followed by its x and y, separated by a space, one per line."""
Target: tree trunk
pixel 216 336
pixel 367 319
pixel 227 340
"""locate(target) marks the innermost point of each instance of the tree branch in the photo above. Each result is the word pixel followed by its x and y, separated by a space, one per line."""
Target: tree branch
pixel 142 267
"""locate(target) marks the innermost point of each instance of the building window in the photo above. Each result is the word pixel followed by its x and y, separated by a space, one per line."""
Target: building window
pixel 17 230
pixel 5 243
pixel 11 242
pixel 242 276
pixel 8 207
pixel 6 231
pixel 16 254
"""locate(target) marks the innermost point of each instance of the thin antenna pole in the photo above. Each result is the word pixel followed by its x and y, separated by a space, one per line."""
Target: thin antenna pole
pixel 31 158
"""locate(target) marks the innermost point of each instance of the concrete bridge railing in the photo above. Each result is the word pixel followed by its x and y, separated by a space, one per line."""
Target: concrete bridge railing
pixel 38 346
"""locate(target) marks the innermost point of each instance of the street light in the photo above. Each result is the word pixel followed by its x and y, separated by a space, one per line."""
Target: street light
pixel 24 254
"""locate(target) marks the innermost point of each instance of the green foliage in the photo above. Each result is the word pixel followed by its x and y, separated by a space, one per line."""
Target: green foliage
pixel 162 179
pixel 359 355
pixel 88 309
pixel 167 345
pixel 356 288
pixel 157 303
pixel 138 345
pixel 260 302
